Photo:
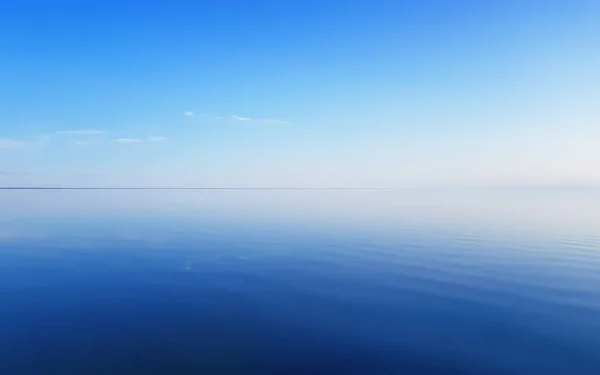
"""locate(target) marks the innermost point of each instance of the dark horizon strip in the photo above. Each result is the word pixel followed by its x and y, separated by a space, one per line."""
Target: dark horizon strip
pixel 593 187
pixel 190 188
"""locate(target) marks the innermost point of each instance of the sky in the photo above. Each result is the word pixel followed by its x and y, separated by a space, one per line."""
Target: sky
pixel 296 93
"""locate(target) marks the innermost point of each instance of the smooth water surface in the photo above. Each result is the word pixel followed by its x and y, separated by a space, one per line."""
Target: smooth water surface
pixel 300 282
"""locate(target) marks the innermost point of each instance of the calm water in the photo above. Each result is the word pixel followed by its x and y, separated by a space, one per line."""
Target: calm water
pixel 300 282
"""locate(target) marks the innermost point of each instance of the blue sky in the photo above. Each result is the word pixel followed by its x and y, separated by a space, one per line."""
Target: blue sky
pixel 299 93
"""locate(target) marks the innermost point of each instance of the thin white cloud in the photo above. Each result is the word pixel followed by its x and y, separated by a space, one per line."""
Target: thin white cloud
pixel 79 143
pixel 235 118
pixel 273 121
pixel 14 144
pixel 239 118
pixel 259 120
pixel 202 116
pixel 80 132
pixel 10 144
pixel 128 140
pixel 157 139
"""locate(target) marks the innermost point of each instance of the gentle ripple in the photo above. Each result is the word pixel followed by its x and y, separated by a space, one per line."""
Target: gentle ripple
pixel 372 282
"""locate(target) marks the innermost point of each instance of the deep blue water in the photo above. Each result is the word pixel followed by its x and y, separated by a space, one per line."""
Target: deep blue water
pixel 300 282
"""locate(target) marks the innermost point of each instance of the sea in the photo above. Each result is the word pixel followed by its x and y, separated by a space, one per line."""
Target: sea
pixel 300 281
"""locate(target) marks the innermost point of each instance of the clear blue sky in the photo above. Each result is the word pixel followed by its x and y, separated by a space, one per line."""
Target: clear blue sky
pixel 299 93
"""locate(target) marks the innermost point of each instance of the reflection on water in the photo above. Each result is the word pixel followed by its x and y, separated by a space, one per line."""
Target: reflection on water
pixel 283 282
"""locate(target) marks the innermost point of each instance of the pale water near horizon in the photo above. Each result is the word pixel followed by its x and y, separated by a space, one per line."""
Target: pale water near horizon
pixel 477 281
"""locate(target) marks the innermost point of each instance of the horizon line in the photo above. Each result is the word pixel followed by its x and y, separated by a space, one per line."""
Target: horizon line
pixel 297 188
pixel 196 188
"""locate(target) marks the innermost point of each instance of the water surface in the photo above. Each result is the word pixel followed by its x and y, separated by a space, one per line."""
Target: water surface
pixel 299 282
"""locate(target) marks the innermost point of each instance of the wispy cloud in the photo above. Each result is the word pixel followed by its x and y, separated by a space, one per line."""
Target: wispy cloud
pixel 235 118
pixel 10 144
pixel 157 139
pixel 128 140
pixel 202 116
pixel 239 118
pixel 273 121
pixel 80 132
pixel 79 143
pixel 258 120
